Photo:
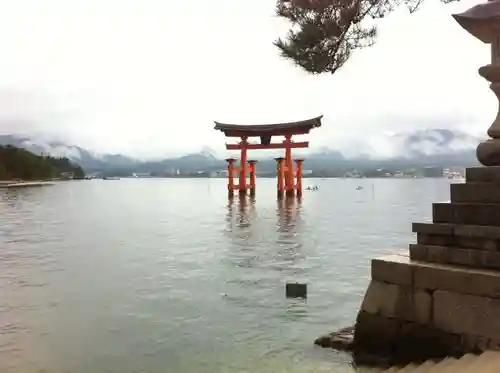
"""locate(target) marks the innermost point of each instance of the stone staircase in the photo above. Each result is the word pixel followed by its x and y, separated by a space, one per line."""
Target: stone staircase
pixel 443 298
pixel 487 362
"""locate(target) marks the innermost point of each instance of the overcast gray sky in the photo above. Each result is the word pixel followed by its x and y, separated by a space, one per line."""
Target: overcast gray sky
pixel 148 77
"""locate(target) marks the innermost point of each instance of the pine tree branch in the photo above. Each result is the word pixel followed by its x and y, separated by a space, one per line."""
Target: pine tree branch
pixel 325 33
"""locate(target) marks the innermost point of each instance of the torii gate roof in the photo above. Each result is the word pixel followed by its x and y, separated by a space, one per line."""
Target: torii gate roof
pixel 301 127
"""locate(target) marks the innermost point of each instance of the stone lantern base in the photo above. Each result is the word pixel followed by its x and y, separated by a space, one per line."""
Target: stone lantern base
pixel 443 298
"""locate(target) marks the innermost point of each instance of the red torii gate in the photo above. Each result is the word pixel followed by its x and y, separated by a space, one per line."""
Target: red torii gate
pixel 289 178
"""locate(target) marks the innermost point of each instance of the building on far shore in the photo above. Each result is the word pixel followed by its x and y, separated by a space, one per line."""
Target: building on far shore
pixel 141 174
pixel 66 175
pixel 220 173
pixel 433 172
pixel 454 172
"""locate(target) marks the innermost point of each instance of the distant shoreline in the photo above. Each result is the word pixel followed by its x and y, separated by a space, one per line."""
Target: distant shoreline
pixel 273 177
pixel 4 184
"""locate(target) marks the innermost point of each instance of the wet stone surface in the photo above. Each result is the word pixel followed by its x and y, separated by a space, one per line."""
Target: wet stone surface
pixel 341 340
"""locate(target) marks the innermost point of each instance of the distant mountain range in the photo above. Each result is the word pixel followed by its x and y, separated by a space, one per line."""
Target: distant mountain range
pixel 431 147
pixel 83 157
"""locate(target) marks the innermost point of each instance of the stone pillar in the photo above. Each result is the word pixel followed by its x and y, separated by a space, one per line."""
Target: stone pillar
pixel 483 22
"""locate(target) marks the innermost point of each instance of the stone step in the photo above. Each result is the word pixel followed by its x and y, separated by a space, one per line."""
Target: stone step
pixel 484 214
pixel 476 243
pixel 444 229
pixel 475 192
pixel 479 231
pixel 425 367
pixel 483 174
pixel 455 255
pixel 363 369
pixel 487 362
pixel 464 236
pixel 481 363
pixel 445 366
pixel 401 270
pixel 408 368
pixel 462 364
pixel 392 370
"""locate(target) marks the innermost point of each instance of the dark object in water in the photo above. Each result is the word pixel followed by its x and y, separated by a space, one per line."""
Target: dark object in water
pixel 296 290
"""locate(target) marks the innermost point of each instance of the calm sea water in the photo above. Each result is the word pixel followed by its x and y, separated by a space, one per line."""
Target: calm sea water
pixel 167 276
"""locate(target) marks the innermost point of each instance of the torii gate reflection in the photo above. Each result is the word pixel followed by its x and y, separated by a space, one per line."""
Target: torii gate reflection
pixel 241 214
pixel 267 241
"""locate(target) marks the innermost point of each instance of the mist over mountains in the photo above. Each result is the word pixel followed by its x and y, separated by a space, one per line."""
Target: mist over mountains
pixel 430 147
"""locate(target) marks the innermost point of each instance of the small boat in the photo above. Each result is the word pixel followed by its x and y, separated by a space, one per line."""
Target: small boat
pixel 359 187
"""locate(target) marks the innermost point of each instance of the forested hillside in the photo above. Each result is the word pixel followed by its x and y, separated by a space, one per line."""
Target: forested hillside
pixel 16 163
